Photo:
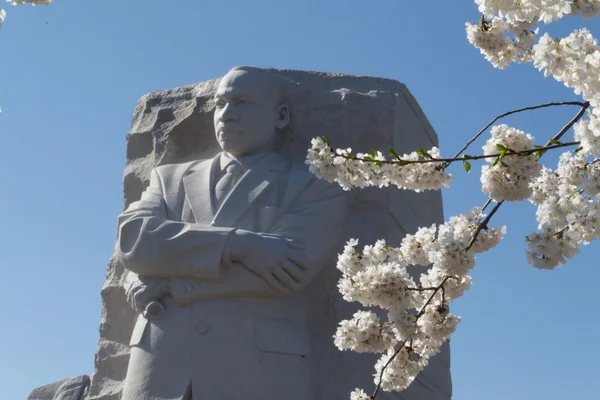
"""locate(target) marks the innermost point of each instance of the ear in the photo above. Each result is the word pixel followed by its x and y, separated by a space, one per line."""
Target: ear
pixel 283 116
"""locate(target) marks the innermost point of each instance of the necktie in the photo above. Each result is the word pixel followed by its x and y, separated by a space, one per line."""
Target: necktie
pixel 227 182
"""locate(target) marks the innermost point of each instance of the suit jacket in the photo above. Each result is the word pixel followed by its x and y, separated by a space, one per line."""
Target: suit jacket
pixel 222 318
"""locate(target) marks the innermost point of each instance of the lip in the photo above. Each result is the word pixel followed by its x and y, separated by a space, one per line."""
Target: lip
pixel 226 128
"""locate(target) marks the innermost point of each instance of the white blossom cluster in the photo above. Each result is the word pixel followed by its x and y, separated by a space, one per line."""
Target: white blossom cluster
pixel 574 60
pixel 508 176
pixel 2 17
pixel 534 11
pixel 365 333
pixel 566 198
pixel 418 321
pixel 588 133
pixel 363 170
pixel 359 394
pixel 507 30
pixel 568 214
pixel 502 43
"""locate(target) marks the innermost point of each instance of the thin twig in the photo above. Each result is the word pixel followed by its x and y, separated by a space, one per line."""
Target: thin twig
pixel 506 114
pixel 451 160
pixel 384 368
pixel 483 225
pixel 487 203
pixel 419 315
pixel 568 126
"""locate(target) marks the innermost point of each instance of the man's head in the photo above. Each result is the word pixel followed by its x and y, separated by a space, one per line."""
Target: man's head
pixel 249 111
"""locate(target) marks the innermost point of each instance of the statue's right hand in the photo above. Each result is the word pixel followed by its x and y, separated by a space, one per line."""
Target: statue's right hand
pixel 280 261
pixel 143 290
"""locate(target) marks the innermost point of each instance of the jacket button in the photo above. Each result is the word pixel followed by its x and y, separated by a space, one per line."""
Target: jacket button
pixel 202 327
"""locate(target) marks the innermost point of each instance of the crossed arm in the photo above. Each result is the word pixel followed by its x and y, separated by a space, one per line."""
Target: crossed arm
pixel 229 261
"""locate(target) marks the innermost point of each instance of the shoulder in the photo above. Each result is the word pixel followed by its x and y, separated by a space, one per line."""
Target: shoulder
pixel 168 171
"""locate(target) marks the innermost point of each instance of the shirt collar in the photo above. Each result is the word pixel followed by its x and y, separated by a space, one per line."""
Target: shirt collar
pixel 246 161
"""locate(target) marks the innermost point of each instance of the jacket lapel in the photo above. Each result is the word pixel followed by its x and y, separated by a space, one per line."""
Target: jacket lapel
pixel 198 191
pixel 249 189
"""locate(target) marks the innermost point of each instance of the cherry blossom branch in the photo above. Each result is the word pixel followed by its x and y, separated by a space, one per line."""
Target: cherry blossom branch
pixel 435 290
pixel 483 225
pixel 568 126
pixel 419 315
pixel 451 160
pixel 506 114
pixel 372 397
pixel 560 133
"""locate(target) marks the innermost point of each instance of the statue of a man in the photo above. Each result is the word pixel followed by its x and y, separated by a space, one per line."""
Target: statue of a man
pixel 220 252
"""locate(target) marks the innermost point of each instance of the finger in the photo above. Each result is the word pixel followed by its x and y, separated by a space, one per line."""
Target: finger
pixel 131 292
pixel 294 244
pixel 285 278
pixel 293 270
pixel 275 283
pixel 299 259
pixel 142 297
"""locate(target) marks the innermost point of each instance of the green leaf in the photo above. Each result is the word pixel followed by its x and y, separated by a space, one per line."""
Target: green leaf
pixel 505 165
pixel 325 140
pixel 393 153
pixel 501 149
pixel 423 153
pixel 496 161
pixel 467 166
pixel 555 141
pixel 467 157
pixel 577 150
pixel 374 152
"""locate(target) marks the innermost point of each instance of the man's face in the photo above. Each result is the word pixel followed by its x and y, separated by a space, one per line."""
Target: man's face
pixel 246 114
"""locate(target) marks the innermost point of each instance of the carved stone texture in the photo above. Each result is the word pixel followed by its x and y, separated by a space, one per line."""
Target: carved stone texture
pixel 67 389
pixel 175 126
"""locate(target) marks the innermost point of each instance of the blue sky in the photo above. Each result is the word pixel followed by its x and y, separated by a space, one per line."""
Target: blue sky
pixel 70 77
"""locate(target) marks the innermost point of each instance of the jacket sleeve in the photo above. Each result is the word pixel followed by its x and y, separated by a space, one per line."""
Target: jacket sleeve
pixel 315 219
pixel 151 245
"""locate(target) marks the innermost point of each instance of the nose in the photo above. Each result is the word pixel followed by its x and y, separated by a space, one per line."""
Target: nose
pixel 228 113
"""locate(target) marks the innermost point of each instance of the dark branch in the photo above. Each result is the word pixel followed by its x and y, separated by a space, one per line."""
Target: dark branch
pixel 506 114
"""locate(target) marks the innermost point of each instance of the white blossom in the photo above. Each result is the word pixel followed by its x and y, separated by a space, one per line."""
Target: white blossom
pixel 437 324
pixel 400 371
pixel 588 133
pixel 363 170
pixel 574 60
pixel 359 394
pixel 508 177
pixel 2 17
pixel 364 333
pixel 549 249
pixel 543 186
pixel 587 8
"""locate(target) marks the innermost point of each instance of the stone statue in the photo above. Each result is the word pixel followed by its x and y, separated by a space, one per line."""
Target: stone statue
pixel 223 280
pixel 222 249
